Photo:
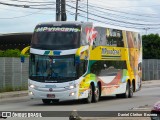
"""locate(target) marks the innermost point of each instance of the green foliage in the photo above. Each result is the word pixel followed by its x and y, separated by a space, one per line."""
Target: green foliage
pixel 151 46
pixel 10 53
pixel 6 89
pixel 1 53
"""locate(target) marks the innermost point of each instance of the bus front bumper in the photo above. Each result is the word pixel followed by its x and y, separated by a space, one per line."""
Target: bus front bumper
pixel 71 94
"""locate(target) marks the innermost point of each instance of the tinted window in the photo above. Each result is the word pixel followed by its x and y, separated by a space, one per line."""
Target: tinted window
pixel 108 37
pixel 82 67
pixel 52 37
pixel 52 69
pixel 107 68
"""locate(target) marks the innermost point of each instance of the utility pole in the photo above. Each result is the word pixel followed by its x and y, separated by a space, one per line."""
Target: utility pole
pixel 147 28
pixel 87 10
pixel 76 10
pixel 58 10
pixel 63 10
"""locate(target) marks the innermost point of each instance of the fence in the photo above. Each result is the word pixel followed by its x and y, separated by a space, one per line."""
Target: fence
pixel 151 69
pixel 13 74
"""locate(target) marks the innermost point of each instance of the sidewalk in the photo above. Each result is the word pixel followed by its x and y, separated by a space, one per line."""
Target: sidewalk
pixel 25 93
pixel 151 83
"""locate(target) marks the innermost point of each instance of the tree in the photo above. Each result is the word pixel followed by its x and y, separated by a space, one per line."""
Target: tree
pixel 151 46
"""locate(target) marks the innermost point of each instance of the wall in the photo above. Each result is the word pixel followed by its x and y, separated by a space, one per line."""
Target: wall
pixel 13 74
pixel 151 69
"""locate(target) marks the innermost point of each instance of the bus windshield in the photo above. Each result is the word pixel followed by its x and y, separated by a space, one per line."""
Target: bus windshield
pixel 51 37
pixel 52 69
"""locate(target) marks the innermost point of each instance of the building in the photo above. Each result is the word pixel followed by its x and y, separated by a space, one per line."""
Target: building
pixel 15 40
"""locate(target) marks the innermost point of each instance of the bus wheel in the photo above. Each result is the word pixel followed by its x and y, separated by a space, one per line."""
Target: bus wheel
pixel 131 91
pixel 90 93
pixel 126 94
pixel 46 101
pixel 96 94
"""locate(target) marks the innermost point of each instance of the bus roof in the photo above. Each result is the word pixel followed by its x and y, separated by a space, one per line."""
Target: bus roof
pixel 95 25
pixel 65 23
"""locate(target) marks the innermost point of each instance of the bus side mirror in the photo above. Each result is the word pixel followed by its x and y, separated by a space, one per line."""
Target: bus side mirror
pixel 23 53
pixel 22 59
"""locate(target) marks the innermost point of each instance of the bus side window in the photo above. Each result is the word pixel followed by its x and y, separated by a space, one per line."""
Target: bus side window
pixel 124 65
pixel 85 65
pixel 82 67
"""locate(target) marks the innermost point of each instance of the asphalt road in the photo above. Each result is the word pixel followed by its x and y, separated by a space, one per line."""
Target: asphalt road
pixel 142 100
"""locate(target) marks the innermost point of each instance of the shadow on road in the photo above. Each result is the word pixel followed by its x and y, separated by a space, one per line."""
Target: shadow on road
pixel 75 102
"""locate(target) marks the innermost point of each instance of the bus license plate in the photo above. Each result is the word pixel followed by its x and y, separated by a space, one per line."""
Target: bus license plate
pixel 50 95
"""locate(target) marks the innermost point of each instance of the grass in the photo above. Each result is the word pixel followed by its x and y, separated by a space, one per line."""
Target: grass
pixel 11 89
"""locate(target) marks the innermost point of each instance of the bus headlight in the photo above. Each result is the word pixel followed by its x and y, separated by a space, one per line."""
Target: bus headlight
pixel 71 87
pixel 31 93
pixel 32 86
pixel 72 94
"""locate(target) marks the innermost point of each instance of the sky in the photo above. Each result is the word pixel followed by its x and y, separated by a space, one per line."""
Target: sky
pixel 143 15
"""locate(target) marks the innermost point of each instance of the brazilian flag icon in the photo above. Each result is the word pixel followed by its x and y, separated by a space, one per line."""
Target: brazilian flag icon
pixel 48 53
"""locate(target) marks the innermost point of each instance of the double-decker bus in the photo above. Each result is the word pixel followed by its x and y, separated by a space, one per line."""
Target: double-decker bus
pixel 77 60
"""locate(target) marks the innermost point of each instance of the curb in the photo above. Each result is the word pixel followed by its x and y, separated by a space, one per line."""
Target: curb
pixel 151 83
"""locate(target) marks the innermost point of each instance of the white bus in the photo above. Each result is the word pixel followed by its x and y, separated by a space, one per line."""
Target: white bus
pixel 74 60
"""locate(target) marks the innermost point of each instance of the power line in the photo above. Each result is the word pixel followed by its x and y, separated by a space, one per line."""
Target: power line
pixel 102 12
pixel 113 12
pixel 42 8
pixel 93 6
pixel 117 24
pixel 26 6
pixel 131 6
pixel 106 18
pixel 120 16
pixel 31 1
pixel 42 4
pixel 11 4
pixel 17 5
pixel 22 15
pixel 11 10
pixel 112 7
pixel 113 19
pixel 109 23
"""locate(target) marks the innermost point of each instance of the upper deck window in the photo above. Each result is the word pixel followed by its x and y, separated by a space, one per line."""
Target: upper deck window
pixel 56 37
pixel 108 37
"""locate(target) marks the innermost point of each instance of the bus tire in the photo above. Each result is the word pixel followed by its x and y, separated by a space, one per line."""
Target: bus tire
pixel 96 94
pixel 126 94
pixel 46 101
pixel 90 94
pixel 131 89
